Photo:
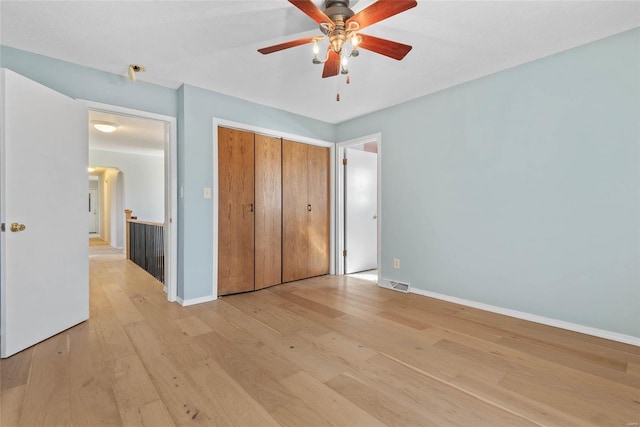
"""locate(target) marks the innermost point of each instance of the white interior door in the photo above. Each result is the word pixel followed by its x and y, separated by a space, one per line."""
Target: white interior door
pixel 44 272
pixel 93 210
pixel 361 205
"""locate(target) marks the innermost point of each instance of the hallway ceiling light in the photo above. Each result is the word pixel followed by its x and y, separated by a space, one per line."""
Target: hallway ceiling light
pixel 103 126
pixel 90 169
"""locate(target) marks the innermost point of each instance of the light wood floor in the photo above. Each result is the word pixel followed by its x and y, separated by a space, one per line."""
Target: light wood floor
pixel 325 351
pixel 96 241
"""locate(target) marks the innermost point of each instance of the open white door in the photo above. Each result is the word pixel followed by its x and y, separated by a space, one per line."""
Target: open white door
pixel 44 272
pixel 361 210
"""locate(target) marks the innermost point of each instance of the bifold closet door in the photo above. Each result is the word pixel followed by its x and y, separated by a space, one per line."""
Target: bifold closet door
pixel 318 196
pixel 305 211
pixel 295 237
pixel 236 207
pixel 268 212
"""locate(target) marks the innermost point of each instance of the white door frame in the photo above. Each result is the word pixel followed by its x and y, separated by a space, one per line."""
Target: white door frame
pixel 278 134
pixel 340 207
pixel 170 188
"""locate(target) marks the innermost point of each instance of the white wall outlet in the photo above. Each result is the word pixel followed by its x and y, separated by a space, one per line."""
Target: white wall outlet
pixel 207 192
pixel 396 263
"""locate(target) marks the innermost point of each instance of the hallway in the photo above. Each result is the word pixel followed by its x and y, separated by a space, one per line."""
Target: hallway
pixel 98 247
pixel 324 351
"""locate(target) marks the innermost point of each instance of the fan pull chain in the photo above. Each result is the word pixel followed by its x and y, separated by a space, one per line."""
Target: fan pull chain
pixel 348 81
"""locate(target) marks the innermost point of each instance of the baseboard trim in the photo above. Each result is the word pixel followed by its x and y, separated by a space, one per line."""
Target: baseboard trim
pixel 601 333
pixel 193 301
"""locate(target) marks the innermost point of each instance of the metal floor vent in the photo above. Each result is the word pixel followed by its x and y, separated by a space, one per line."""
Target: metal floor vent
pixel 394 285
pixel 399 286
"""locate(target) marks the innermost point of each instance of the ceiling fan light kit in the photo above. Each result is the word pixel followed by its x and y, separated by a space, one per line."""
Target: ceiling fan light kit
pixel 341 26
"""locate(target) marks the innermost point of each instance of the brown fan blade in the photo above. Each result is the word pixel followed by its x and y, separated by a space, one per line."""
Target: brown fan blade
pixel 332 66
pixel 384 47
pixel 382 9
pixel 311 10
pixel 287 45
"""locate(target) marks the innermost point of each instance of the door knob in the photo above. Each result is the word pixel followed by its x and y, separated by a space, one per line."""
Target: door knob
pixel 375 217
pixel 15 227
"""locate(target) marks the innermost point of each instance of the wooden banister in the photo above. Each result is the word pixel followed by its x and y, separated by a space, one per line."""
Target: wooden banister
pixel 127 215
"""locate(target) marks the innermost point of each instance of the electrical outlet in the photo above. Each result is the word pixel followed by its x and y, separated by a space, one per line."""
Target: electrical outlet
pixel 206 192
pixel 396 263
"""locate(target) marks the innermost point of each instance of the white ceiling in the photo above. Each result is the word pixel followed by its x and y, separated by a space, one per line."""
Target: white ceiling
pixel 134 135
pixel 212 44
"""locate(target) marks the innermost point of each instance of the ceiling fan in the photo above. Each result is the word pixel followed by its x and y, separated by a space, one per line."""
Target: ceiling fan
pixel 342 27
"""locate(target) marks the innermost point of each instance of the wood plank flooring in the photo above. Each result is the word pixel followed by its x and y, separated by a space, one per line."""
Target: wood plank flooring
pixel 328 351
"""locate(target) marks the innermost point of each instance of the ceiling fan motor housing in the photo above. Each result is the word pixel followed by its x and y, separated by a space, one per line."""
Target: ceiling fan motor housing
pixel 334 8
pixel 339 12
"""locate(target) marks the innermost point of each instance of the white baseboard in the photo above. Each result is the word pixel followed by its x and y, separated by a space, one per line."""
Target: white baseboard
pixel 601 333
pixel 194 301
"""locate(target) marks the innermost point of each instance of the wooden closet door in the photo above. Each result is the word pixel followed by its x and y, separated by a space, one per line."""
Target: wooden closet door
pixel 318 217
pixel 268 212
pixel 295 237
pixel 235 211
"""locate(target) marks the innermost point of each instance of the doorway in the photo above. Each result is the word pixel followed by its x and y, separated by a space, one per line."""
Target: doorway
pixel 109 184
pixel 360 208
pixel 145 151
pixel 94 209
pixel 358 191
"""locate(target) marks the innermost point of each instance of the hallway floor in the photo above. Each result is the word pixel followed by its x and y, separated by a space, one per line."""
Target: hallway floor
pixel 98 247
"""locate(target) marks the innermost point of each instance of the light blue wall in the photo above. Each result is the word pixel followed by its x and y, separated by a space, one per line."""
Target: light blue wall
pixel 521 189
pixel 198 107
pixel 87 83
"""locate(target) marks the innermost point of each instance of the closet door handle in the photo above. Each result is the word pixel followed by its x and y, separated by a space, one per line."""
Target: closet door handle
pixel 251 207
pixel 309 208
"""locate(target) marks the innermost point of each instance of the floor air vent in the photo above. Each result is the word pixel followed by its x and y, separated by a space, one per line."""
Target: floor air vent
pixel 395 285
pixel 399 286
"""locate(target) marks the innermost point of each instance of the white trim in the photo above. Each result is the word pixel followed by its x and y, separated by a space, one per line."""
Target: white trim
pixel 170 191
pixel 194 301
pixel 270 132
pixel 3 181
pixel 340 147
pixel 217 122
pixel 601 333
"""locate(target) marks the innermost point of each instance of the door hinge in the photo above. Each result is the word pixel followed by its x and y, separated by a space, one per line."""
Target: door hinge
pixel 344 162
pixel 344 253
